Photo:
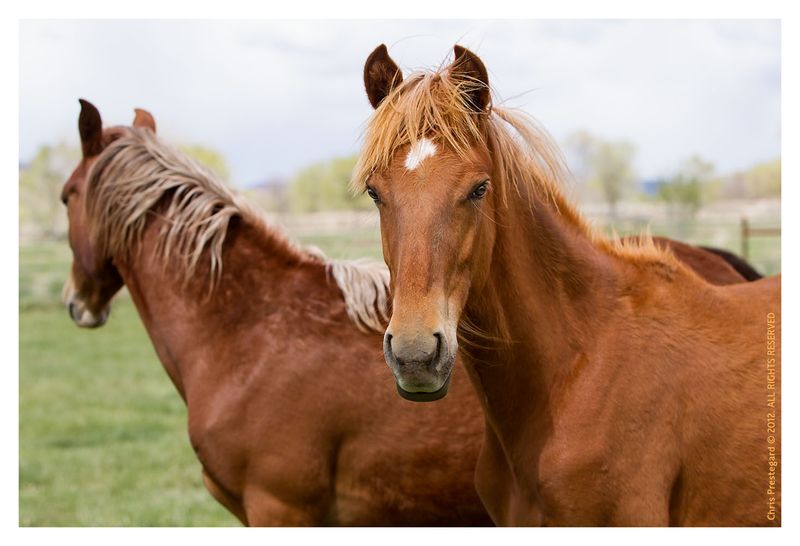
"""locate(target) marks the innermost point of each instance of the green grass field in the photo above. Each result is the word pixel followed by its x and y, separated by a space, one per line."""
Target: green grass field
pixel 103 438
pixel 102 430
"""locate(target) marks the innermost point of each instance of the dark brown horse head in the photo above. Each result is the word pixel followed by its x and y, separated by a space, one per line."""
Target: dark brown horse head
pixel 428 168
pixel 93 278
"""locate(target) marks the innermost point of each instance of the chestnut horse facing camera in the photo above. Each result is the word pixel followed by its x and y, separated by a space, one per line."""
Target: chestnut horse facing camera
pixel 255 334
pixel 619 387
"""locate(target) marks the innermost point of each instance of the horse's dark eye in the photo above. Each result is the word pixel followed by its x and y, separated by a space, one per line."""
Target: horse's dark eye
pixel 479 191
pixel 373 194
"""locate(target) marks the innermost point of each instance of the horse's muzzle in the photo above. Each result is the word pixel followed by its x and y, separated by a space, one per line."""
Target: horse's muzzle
pixel 421 365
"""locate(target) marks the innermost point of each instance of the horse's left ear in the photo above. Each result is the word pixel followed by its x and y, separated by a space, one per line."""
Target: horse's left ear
pixel 144 119
pixel 469 68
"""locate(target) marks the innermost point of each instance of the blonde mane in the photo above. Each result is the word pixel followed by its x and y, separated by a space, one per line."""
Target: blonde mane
pixel 138 177
pixel 526 158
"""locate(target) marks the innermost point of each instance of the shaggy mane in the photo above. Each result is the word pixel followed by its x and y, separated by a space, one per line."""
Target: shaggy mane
pixel 526 159
pixel 138 177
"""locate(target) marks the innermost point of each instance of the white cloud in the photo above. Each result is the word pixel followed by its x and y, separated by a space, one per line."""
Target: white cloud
pixel 274 96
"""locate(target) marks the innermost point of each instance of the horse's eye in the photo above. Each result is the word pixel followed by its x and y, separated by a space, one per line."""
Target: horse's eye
pixel 373 194
pixel 479 191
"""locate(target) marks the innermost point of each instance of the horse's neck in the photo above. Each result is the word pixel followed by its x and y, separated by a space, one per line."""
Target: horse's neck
pixel 548 291
pixel 189 330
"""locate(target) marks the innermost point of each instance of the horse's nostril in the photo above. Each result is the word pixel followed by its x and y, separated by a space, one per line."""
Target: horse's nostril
pixel 439 340
pixel 71 309
pixel 414 350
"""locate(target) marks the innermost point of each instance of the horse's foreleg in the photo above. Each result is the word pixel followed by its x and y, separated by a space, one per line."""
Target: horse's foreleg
pixel 493 481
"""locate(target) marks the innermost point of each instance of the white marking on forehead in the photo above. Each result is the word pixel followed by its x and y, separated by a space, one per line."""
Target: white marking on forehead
pixel 420 151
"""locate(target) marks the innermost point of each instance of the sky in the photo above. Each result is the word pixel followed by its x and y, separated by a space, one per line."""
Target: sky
pixel 276 96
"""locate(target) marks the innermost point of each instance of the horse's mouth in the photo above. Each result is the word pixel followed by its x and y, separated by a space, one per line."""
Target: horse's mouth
pixel 85 318
pixel 425 396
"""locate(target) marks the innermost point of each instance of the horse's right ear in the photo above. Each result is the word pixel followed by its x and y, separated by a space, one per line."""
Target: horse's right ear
pixel 144 119
pixel 90 127
pixel 381 75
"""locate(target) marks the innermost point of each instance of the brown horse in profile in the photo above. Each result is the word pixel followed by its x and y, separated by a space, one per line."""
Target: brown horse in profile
pixel 619 387
pixel 260 338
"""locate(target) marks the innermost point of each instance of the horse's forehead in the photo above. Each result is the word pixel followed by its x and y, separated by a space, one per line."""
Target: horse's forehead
pixel 430 162
pixel 419 162
pixel 419 152
pixel 424 154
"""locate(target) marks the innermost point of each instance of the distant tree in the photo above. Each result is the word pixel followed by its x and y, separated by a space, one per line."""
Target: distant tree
pixel 602 166
pixel 580 148
pixel 324 186
pixel 764 179
pixel 612 170
pixel 210 158
pixel 40 184
pixel 687 190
